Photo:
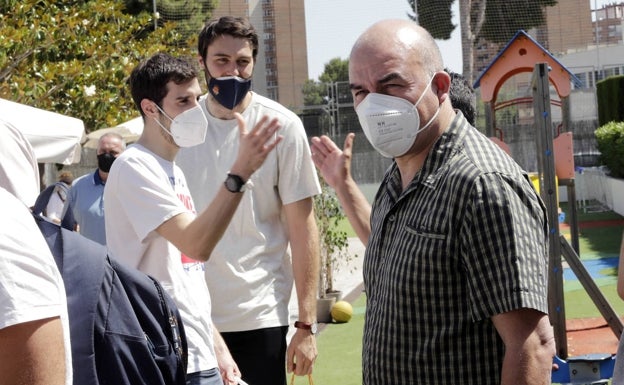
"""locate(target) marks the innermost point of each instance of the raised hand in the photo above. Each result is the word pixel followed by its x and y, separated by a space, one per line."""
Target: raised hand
pixel 333 163
pixel 255 145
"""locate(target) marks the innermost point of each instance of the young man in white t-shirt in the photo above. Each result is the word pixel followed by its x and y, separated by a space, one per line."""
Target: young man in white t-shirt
pixel 151 223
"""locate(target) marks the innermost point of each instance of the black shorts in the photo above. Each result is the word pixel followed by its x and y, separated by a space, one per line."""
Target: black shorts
pixel 260 354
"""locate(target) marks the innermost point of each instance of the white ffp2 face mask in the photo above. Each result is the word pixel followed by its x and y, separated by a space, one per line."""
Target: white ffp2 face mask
pixel 391 124
pixel 187 129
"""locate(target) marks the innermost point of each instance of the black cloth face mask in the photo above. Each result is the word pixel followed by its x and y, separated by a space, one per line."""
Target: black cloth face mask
pixel 105 161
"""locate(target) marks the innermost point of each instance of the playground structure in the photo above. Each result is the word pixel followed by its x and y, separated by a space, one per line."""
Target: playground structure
pixel 555 165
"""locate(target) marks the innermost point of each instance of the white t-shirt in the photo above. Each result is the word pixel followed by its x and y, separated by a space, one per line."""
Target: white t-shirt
pixel 31 287
pixel 249 274
pixel 19 172
pixel 143 191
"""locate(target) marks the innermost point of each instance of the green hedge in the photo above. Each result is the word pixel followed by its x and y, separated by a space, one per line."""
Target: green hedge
pixel 610 96
pixel 610 142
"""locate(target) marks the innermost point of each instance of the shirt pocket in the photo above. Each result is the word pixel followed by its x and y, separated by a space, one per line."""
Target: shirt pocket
pixel 429 257
pixel 425 233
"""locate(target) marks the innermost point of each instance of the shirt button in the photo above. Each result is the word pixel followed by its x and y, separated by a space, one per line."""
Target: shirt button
pixel 392 218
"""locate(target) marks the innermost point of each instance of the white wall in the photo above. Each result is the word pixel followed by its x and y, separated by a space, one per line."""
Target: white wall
pixel 617 194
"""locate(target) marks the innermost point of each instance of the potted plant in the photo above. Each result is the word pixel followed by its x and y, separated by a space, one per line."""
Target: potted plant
pixel 333 248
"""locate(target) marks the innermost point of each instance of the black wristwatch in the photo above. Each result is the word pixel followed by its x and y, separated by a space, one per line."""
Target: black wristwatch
pixel 234 183
pixel 312 327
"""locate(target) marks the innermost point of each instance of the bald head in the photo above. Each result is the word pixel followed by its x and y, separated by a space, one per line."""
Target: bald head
pixel 403 38
pixel 111 142
pixel 398 58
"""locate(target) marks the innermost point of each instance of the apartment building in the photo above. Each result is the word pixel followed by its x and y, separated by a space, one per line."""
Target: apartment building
pixel 608 24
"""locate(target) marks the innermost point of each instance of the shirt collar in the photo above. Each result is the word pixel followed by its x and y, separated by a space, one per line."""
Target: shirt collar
pixel 440 156
pixel 97 180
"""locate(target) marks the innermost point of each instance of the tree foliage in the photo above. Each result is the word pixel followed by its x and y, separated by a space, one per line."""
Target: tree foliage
pixel 189 16
pixel 435 16
pixel 495 21
pixel 316 92
pixel 73 57
pixel 336 70
pixel 503 18
pixel 313 93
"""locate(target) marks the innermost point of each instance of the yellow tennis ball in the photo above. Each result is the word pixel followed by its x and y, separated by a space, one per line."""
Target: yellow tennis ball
pixel 342 311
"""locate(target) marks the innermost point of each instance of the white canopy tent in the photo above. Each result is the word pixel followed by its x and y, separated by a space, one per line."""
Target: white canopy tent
pixel 135 126
pixel 130 131
pixel 55 138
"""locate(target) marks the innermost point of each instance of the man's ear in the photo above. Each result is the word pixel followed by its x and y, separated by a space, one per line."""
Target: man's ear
pixel 442 83
pixel 149 108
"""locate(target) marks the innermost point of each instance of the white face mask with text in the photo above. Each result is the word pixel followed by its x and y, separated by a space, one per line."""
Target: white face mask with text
pixel 391 124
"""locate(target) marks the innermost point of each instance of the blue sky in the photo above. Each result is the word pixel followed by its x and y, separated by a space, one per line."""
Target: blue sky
pixel 333 25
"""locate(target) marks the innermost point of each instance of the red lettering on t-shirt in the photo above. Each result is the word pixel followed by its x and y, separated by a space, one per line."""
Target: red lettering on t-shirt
pixel 188 203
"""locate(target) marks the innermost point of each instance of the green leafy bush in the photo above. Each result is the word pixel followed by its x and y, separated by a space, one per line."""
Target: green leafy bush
pixel 610 141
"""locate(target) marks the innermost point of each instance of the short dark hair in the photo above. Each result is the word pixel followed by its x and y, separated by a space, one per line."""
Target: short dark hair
pixel 237 27
pixel 149 78
pixel 462 96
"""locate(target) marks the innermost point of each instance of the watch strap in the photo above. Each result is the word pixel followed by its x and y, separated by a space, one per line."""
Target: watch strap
pixel 312 327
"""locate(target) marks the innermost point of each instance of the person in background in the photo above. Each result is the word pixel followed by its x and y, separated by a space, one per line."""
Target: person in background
pixel 58 197
pixel 151 223
pixel 34 329
pixel 86 196
pixel 462 96
pixel 456 256
pixel 250 273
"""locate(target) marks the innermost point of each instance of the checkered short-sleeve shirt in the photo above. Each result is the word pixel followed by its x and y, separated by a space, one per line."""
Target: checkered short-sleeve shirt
pixel 466 240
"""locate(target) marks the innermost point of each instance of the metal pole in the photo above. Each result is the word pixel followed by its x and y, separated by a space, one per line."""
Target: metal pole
pixel 155 14
pixel 416 11
pixel 337 111
pixel 546 168
pixel 597 74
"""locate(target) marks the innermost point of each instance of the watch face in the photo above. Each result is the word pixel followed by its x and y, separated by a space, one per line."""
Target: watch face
pixel 233 183
pixel 314 328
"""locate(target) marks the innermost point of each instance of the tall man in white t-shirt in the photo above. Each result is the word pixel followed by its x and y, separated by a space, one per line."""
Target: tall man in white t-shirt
pixel 151 223
pixel 250 274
